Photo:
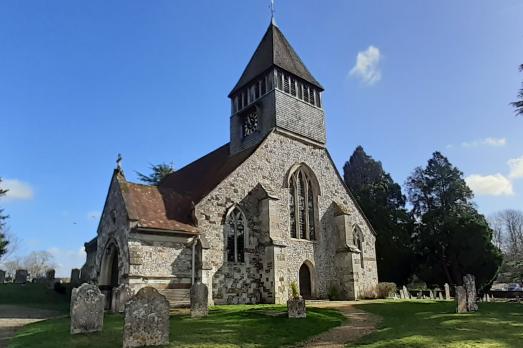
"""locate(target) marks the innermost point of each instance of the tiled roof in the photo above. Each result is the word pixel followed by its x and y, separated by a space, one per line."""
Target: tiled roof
pixel 274 50
pixel 158 208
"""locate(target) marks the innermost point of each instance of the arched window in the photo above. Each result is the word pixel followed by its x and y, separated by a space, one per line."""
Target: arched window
pixel 358 242
pixel 236 226
pixel 302 204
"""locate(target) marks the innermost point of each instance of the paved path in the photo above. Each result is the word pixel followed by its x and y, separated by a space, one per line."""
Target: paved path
pixel 359 324
pixel 13 318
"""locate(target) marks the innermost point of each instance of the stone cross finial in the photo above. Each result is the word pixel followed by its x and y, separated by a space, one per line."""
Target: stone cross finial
pixel 119 162
pixel 273 10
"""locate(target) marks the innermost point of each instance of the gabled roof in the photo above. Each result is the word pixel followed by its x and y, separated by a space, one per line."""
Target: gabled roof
pixel 200 177
pixel 274 50
pixel 157 208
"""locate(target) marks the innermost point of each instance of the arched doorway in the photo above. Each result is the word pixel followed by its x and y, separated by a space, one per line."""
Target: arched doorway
pixel 109 273
pixel 305 282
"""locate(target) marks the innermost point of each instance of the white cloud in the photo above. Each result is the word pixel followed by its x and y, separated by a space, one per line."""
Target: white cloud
pixel 17 190
pixel 489 141
pixel 516 167
pixel 490 185
pixel 367 66
pixel 67 259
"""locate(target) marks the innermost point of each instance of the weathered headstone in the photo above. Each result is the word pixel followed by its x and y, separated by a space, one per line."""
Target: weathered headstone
pixel 199 300
pixel 488 298
pixel 21 276
pixel 402 295
pixel 121 295
pixel 2 276
pixel 87 309
pixel 406 292
pixel 49 274
pixel 447 292
pixel 431 294
pixel 469 282
pixel 296 308
pixel 75 276
pixel 146 320
pixel 461 299
pixel 440 296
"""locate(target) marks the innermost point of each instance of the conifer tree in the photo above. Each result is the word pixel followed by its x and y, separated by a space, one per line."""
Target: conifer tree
pixel 3 238
pixel 518 105
pixel 159 171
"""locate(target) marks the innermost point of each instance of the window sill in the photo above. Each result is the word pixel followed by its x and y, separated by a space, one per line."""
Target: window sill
pixel 305 240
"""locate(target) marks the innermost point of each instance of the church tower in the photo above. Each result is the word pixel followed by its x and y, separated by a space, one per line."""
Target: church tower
pixel 275 91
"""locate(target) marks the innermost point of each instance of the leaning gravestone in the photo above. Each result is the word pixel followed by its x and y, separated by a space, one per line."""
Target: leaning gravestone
pixel 440 296
pixel 2 276
pixel 199 300
pixel 87 309
pixel 469 282
pixel 461 299
pixel 121 295
pixel 146 320
pixel 21 276
pixel 75 276
pixel 447 291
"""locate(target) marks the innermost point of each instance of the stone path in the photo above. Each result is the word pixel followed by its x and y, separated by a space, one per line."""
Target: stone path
pixel 13 318
pixel 359 324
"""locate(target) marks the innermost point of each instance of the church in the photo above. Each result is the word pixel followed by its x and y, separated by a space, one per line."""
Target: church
pixel 264 210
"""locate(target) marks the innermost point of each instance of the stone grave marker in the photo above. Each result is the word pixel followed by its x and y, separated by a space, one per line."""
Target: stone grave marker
pixel 2 276
pixel 461 299
pixel 49 274
pixel 469 282
pixel 440 296
pixel 75 276
pixel 21 276
pixel 406 292
pixel 447 291
pixel 146 320
pixel 431 294
pixel 121 295
pixel 488 298
pixel 87 309
pixel 199 300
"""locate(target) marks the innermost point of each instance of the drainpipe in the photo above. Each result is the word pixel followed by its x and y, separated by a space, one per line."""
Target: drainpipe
pixel 195 240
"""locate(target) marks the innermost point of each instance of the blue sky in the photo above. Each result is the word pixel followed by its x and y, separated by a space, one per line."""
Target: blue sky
pixel 83 81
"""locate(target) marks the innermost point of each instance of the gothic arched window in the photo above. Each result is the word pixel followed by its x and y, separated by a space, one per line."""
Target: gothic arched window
pixel 236 230
pixel 302 204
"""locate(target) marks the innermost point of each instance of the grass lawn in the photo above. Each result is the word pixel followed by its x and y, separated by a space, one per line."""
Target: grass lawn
pixel 435 324
pixel 226 326
pixel 33 295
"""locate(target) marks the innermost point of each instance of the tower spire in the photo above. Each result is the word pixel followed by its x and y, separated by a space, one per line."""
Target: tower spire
pixel 273 10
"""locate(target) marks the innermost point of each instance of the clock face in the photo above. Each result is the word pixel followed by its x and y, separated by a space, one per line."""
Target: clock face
pixel 250 123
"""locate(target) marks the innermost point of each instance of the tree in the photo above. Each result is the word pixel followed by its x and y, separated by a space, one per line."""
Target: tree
pixel 159 171
pixel 383 203
pixel 38 262
pixel 508 227
pixel 518 105
pixel 3 239
pixel 451 238
pixel 11 266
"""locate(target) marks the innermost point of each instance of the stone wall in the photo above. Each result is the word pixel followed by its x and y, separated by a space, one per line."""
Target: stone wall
pixel 269 167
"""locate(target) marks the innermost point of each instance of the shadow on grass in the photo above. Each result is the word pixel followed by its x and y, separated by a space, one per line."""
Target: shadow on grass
pixel 435 324
pixel 226 326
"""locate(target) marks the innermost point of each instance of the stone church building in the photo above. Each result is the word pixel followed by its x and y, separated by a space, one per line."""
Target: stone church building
pixel 264 210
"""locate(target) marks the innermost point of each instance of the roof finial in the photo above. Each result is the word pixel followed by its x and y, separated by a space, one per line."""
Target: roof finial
pixel 273 10
pixel 119 163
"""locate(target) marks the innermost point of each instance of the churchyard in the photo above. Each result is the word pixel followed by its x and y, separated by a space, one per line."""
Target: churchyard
pixel 393 322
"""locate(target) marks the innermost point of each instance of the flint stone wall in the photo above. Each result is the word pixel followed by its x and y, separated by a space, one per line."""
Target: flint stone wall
pixel 258 277
pixel 87 309
pixel 146 321
pixel 121 295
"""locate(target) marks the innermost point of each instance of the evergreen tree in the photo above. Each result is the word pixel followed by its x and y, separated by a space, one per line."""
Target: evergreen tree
pixel 383 203
pixel 3 239
pixel 518 105
pixel 159 171
pixel 451 238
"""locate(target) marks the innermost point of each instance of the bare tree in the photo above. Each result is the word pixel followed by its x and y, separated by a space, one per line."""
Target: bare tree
pixel 38 262
pixel 11 266
pixel 508 232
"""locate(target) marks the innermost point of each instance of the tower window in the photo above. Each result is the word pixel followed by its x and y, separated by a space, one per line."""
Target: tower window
pixel 286 83
pixel 293 86
pixel 264 85
pixel 236 226
pixel 300 90
pixel 318 99
pixel 280 80
pixel 302 204
pixel 312 96
pixel 306 93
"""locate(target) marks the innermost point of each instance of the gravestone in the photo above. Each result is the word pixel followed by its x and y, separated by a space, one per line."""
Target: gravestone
pixel 440 296
pixel 75 277
pixel 121 295
pixel 21 276
pixel 2 276
pixel 469 282
pixel 431 294
pixel 461 299
pixel 402 294
pixel 49 274
pixel 87 309
pixel 488 298
pixel 199 300
pixel 447 292
pixel 296 308
pixel 406 292
pixel 146 320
